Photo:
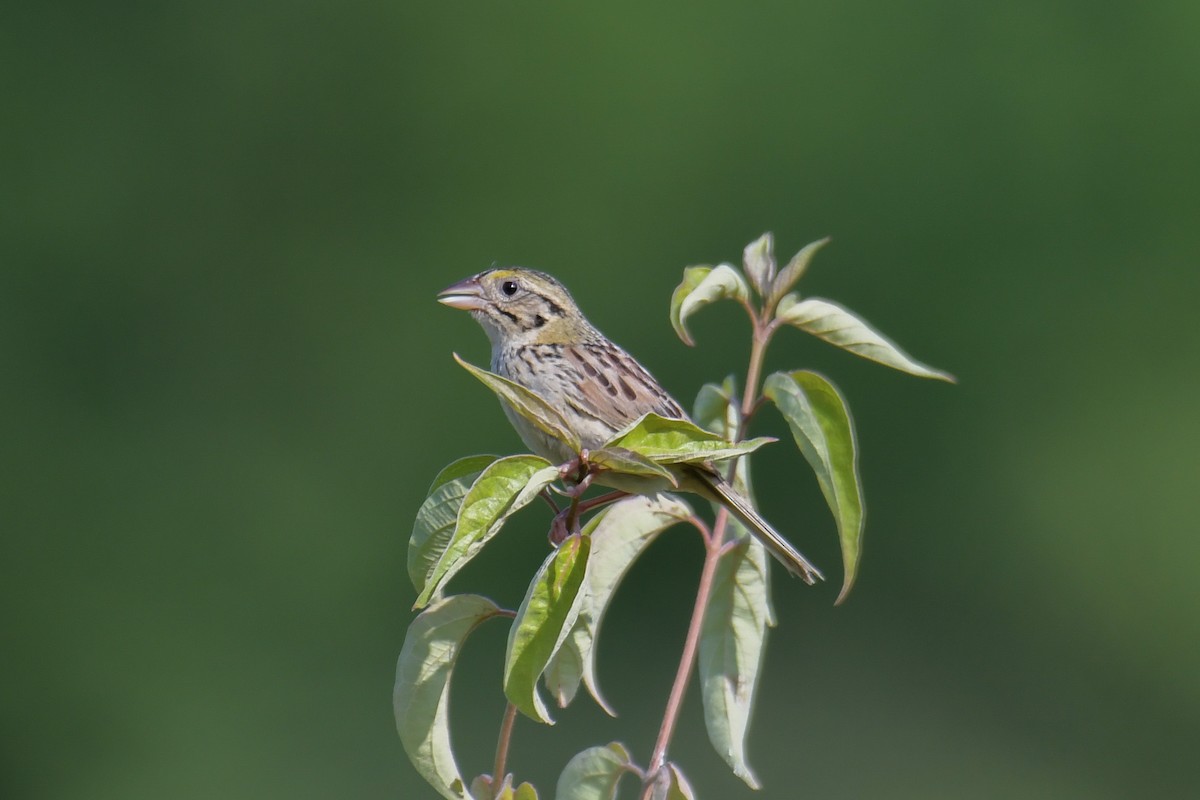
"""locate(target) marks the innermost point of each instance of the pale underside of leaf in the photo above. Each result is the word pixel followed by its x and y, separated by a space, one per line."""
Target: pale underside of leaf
pixel 528 404
pixel 692 276
pixel 620 459
pixel 434 526
pixel 506 486
pixel 732 644
pixel 421 695
pixel 795 269
pixel 758 261
pixel 672 785
pixel 841 327
pixel 543 622
pixel 619 535
pixel 723 282
pixel 821 424
pixel 594 773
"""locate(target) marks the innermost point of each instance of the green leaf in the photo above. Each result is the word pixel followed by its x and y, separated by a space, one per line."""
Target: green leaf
pixel 619 535
pixel 679 441
pixel 716 284
pixel 692 276
pixel 508 484
pixel 467 465
pixel 481 787
pixel 758 260
pixel 594 773
pixel 422 691
pixel 438 515
pixel 838 326
pixel 672 785
pixel 790 274
pixel 529 405
pixel 619 459
pixel 543 621
pixel 824 431
pixel 732 641
pixel 716 409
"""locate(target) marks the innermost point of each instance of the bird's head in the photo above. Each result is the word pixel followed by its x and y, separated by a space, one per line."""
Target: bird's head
pixel 518 306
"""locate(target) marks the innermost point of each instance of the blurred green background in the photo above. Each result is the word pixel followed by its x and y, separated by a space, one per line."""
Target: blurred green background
pixel 227 384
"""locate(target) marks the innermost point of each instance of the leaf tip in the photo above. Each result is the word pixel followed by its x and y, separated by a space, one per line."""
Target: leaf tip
pixel 845 592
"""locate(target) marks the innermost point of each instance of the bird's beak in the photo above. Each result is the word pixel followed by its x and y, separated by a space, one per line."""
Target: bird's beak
pixel 466 295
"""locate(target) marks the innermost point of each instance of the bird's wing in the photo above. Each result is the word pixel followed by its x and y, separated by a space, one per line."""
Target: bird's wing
pixel 613 388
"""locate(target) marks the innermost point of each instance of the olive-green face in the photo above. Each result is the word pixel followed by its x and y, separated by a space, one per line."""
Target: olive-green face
pixel 513 304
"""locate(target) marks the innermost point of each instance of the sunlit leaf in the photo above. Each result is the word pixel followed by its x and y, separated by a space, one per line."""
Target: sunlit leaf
pixel 437 516
pixel 467 465
pixel 594 773
pixel 620 459
pixel 675 441
pixel 824 431
pixel 525 792
pixel 692 276
pixel 421 695
pixel 505 486
pixel 834 324
pixel 789 275
pixel 619 535
pixel 718 283
pixel 732 642
pixel 543 621
pixel 545 417
pixel 758 260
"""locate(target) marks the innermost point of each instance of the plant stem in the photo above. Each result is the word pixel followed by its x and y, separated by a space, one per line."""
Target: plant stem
pixel 758 350
pixel 506 729
pixel 602 500
pixel 714 549
pixel 683 674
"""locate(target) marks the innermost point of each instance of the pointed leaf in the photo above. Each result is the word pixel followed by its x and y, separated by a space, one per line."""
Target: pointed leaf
pixel 594 774
pixel 507 485
pixel 790 274
pixel 670 784
pixel 467 465
pixel 715 284
pixel 481 787
pixel 422 692
pixel 525 792
pixel 434 525
pixel 831 322
pixel 824 431
pixel 622 460
pixel 678 441
pixel 529 405
pixel 732 641
pixel 619 535
pixel 543 621
pixel 758 260
pixel 692 276
pixel 716 409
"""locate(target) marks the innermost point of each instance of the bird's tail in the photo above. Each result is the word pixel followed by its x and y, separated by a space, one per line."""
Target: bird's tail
pixel 779 547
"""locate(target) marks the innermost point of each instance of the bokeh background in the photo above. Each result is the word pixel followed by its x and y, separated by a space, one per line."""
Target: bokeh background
pixel 226 384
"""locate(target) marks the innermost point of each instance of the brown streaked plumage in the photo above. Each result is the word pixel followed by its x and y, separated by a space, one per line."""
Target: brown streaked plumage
pixel 541 340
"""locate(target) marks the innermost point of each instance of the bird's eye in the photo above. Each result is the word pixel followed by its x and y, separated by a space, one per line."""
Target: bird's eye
pixel 509 288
